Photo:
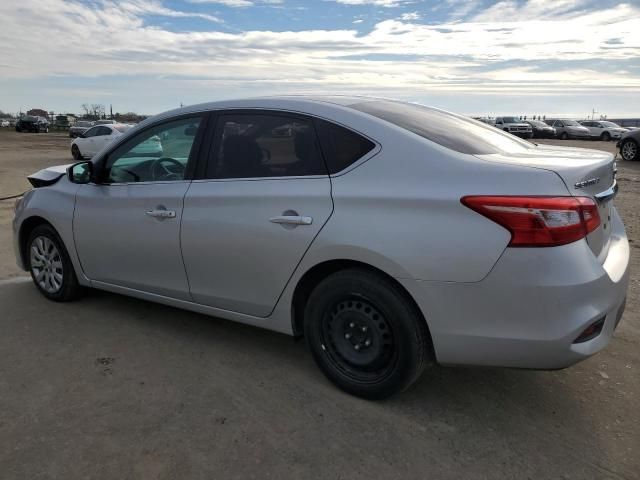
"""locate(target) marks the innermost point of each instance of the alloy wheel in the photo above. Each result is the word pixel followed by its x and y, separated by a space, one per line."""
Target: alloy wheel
pixel 46 264
pixel 629 150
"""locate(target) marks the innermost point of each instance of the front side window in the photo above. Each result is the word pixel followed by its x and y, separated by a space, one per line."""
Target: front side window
pixel 264 145
pixel 92 132
pixel 159 154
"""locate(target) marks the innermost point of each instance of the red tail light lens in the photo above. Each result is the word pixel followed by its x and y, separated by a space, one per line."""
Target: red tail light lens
pixel 539 221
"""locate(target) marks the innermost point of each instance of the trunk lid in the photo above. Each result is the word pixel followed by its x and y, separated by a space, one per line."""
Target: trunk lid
pixel 586 173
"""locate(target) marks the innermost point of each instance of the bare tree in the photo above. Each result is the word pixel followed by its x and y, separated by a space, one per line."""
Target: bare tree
pixel 85 107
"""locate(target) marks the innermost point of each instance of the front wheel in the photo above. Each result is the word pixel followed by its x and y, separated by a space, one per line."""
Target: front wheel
pixel 50 266
pixel 605 137
pixel 564 136
pixel 629 150
pixel 366 336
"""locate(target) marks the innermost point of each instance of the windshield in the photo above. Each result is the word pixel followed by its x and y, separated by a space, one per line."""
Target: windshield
pixel 610 125
pixel 122 128
pixel 538 123
pixel 571 123
pixel 449 130
pixel 83 124
pixel 510 120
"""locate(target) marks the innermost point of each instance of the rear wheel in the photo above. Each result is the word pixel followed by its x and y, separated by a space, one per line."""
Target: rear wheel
pixel 564 136
pixel 50 266
pixel 605 137
pixel 365 335
pixel 75 152
pixel 629 150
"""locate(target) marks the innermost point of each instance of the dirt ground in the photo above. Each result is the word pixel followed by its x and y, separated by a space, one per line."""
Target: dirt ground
pixel 113 387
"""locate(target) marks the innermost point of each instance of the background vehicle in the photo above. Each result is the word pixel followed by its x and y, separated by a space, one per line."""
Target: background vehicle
pixel 514 126
pixel 541 129
pixel 603 130
pixel 391 235
pixel 95 139
pixel 629 145
pixel 105 122
pixel 32 124
pixel 79 128
pixel 4 123
pixel 566 129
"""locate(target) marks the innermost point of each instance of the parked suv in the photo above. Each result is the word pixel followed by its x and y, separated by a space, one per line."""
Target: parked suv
pixel 629 145
pixel 514 126
pixel 566 129
pixel 604 130
pixel 33 124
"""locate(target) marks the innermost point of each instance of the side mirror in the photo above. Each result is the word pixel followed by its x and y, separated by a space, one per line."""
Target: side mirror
pixel 81 172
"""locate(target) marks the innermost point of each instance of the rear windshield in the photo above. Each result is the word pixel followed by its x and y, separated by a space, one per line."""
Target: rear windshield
pixel 452 131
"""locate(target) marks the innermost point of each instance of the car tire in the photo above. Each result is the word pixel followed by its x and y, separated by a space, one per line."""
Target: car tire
pixel 50 266
pixel 75 153
pixel 366 336
pixel 605 137
pixel 46 130
pixel 564 136
pixel 629 150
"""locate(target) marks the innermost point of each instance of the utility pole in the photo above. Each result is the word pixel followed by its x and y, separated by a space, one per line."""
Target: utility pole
pixel 593 114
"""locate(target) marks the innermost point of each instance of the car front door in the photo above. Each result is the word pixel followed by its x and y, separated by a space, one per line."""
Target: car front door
pixel 127 227
pixel 264 196
pixel 102 137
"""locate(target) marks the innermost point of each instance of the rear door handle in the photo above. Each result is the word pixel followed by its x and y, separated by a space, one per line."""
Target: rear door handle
pixel 292 220
pixel 162 213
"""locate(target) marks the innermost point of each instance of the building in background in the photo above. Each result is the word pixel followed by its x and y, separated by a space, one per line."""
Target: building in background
pixel 38 112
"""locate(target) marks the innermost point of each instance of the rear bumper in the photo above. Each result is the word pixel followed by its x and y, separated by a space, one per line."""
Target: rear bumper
pixel 530 308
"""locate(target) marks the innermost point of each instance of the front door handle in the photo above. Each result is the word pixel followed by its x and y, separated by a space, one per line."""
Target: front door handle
pixel 161 213
pixel 292 220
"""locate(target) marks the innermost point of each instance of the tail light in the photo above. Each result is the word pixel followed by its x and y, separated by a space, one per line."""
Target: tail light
pixel 539 221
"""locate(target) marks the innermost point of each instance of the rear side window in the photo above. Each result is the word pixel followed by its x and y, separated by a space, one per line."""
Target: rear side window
pixel 263 145
pixel 341 147
pixel 452 131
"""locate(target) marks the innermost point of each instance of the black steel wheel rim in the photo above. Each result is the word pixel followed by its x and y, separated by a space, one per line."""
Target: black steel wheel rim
pixel 358 339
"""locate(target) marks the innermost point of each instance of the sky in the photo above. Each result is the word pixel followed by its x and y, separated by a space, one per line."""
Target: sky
pixel 477 57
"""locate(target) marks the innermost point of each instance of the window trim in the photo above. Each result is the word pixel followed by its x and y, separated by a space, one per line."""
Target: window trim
pixel 200 171
pixel 214 143
pixel 194 155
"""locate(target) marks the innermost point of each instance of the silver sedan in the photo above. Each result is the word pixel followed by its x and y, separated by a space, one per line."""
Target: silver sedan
pixel 390 235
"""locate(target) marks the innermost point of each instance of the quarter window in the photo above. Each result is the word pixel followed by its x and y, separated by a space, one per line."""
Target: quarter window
pixel 159 154
pixel 257 145
pixel 341 147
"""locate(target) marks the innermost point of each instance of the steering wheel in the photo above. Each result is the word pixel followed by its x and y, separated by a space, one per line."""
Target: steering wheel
pixel 160 171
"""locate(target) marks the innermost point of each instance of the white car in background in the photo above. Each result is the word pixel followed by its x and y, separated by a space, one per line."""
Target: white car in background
pixel 93 140
pixel 4 123
pixel 604 130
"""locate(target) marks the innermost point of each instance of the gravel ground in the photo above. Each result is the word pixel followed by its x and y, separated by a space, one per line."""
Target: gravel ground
pixel 113 387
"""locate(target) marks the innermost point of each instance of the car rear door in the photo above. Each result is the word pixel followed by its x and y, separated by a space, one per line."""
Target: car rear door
pixel 263 197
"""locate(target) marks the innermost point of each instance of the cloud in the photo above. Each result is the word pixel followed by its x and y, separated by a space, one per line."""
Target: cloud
pixel 521 51
pixel 378 3
pixel 240 3
pixel 227 3
pixel 411 16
